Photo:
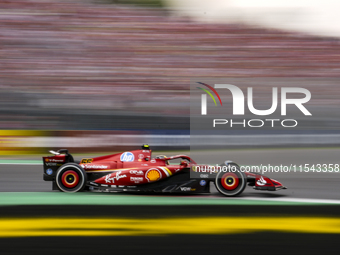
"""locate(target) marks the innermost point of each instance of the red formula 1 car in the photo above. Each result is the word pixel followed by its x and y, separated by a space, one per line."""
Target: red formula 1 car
pixel 137 171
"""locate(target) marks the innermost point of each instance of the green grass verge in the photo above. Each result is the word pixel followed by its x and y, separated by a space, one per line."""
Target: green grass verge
pixel 88 198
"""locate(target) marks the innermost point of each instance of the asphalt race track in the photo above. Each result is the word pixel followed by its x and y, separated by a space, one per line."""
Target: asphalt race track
pixel 311 185
pixel 28 178
pixel 304 219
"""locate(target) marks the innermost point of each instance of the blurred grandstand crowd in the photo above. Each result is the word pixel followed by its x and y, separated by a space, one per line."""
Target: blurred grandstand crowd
pixel 84 65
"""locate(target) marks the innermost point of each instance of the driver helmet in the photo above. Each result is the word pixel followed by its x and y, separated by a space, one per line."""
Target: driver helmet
pixel 163 156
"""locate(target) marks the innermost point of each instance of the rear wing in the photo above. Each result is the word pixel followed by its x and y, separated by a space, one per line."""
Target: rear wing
pixel 52 163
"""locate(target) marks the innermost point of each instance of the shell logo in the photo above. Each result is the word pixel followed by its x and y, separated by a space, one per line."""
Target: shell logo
pixel 153 174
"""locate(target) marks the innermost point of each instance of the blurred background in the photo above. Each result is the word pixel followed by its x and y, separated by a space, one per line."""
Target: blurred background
pixel 97 74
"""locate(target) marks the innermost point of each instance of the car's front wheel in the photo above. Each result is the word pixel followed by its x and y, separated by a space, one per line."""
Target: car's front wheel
pixel 231 182
pixel 71 178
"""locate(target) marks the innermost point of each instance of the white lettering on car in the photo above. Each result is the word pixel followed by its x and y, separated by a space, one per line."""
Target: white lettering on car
pixel 109 179
pixel 136 172
pixel 136 179
pixel 261 181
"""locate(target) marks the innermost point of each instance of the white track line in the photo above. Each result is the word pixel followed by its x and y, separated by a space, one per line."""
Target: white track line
pixel 296 200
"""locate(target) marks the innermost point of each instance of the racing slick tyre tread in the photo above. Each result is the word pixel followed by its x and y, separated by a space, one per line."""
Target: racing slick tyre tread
pixel 231 183
pixel 71 178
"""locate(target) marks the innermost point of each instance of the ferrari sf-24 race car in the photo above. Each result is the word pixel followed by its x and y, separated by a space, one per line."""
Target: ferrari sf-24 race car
pixel 137 171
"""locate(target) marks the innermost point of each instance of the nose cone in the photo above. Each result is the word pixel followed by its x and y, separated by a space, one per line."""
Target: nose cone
pixel 277 184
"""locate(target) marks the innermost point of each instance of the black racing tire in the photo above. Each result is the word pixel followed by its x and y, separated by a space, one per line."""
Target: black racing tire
pixel 231 182
pixel 71 178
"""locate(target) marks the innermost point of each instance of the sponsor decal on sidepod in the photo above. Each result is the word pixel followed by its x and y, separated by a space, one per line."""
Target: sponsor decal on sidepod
pixel 137 172
pixel 136 179
pixel 153 174
pixel 109 179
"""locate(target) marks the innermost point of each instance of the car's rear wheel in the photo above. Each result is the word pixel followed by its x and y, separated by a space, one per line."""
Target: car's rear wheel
pixel 71 178
pixel 230 182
